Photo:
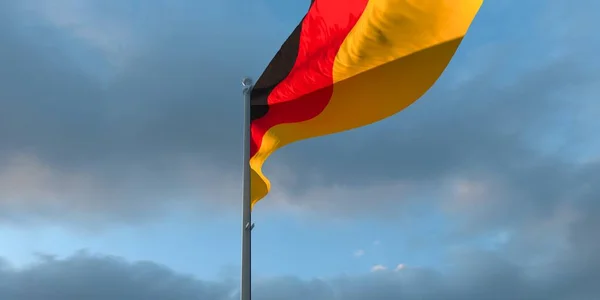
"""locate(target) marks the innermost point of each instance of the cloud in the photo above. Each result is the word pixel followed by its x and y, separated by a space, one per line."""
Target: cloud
pixel 34 193
pixel 377 268
pixel 359 253
pixel 107 33
pixel 113 142
pixel 495 142
pixel 473 275
pixel 93 277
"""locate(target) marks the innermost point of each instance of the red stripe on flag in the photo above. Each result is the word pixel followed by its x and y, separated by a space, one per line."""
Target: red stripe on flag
pixel 306 91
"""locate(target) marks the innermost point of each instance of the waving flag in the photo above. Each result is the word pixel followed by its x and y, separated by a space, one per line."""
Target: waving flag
pixel 350 63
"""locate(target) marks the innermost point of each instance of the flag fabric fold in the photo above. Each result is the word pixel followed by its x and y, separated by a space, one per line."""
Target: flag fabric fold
pixel 350 63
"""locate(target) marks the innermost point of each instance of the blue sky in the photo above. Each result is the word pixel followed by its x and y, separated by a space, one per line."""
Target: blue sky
pixel 120 135
pixel 283 244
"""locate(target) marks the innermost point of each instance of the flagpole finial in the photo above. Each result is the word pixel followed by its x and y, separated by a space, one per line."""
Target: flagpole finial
pixel 247 82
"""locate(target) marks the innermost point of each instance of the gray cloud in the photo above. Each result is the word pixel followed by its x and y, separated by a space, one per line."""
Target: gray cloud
pixel 571 275
pixel 159 124
pixel 126 132
pixel 89 277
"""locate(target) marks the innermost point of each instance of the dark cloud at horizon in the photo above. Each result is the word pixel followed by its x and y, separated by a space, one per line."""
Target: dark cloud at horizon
pixel 473 276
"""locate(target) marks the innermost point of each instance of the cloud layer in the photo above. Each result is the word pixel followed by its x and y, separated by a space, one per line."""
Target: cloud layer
pixel 124 131
pixel 472 276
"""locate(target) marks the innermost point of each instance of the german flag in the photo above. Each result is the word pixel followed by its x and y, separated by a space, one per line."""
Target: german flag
pixel 350 63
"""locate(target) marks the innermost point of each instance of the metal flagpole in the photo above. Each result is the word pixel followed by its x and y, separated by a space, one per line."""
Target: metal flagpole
pixel 247 225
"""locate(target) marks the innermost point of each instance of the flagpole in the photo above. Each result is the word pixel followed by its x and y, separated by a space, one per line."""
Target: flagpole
pixel 247 225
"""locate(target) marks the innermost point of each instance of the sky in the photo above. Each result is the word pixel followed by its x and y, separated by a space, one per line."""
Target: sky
pixel 120 161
